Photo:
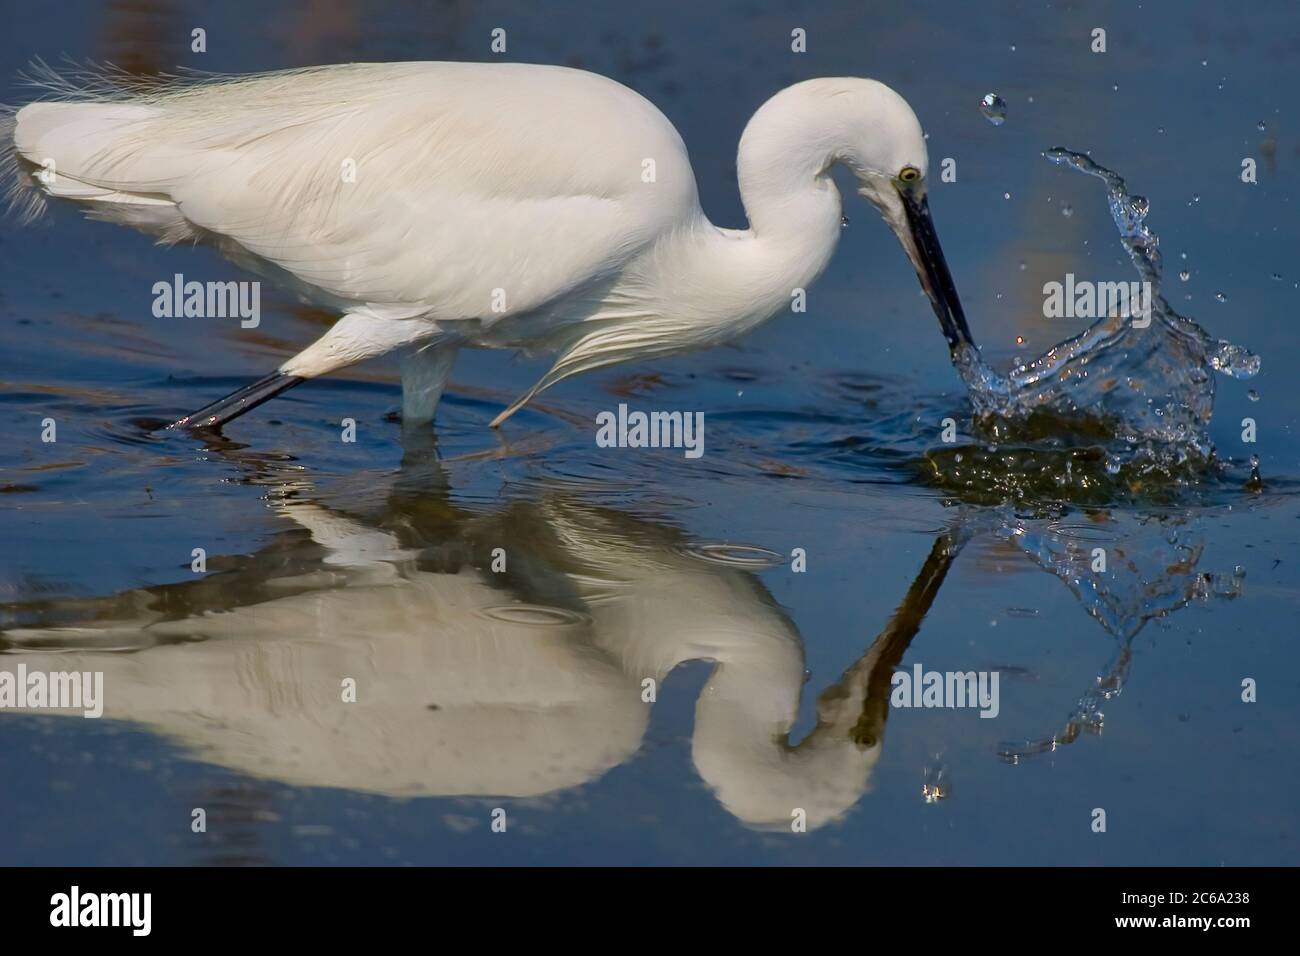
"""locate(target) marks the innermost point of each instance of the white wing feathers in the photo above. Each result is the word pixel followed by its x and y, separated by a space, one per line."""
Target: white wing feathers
pixel 432 189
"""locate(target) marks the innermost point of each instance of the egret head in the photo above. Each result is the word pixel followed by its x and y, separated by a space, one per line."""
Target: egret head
pixel 887 154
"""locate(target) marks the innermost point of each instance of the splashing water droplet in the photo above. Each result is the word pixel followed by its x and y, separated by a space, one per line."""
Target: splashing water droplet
pixel 1233 360
pixel 1006 195
pixel 1277 277
pixel 937 785
pixel 1140 394
pixel 1220 297
pixel 1253 395
pixel 1067 210
pixel 844 222
pixel 1260 126
pixel 1184 275
pixel 994 108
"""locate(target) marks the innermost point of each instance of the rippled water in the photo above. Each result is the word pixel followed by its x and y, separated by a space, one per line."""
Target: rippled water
pixel 769 590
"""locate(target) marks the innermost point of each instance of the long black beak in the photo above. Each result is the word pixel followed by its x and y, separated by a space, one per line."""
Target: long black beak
pixel 932 270
pixel 212 417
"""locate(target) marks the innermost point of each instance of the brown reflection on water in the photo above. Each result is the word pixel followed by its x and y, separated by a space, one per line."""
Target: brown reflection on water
pixel 143 37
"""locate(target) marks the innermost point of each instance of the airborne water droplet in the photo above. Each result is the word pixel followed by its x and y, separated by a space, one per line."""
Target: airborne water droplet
pixel 1220 297
pixel 1233 360
pixel 937 784
pixel 1067 210
pixel 994 108
pixel 1184 275
pixel 1260 126
pixel 1253 395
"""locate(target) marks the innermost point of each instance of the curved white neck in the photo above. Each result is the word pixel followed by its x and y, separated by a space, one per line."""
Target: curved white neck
pixel 703 285
pixel 727 281
pixel 783 169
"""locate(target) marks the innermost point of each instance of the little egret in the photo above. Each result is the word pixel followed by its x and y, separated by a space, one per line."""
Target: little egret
pixel 444 205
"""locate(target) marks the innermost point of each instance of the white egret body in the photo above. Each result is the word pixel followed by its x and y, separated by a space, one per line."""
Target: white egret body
pixel 444 205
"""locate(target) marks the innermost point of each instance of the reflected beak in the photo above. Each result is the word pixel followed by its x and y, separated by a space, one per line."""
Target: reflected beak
pixel 922 245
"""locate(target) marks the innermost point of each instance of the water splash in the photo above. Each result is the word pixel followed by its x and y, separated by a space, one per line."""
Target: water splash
pixel 994 108
pixel 1154 571
pixel 936 785
pixel 1157 566
pixel 1138 397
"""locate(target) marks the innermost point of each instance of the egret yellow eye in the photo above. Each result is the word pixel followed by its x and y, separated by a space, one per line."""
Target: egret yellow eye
pixel 909 174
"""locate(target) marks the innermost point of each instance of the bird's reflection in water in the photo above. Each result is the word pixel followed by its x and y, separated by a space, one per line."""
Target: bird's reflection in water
pixel 473 679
